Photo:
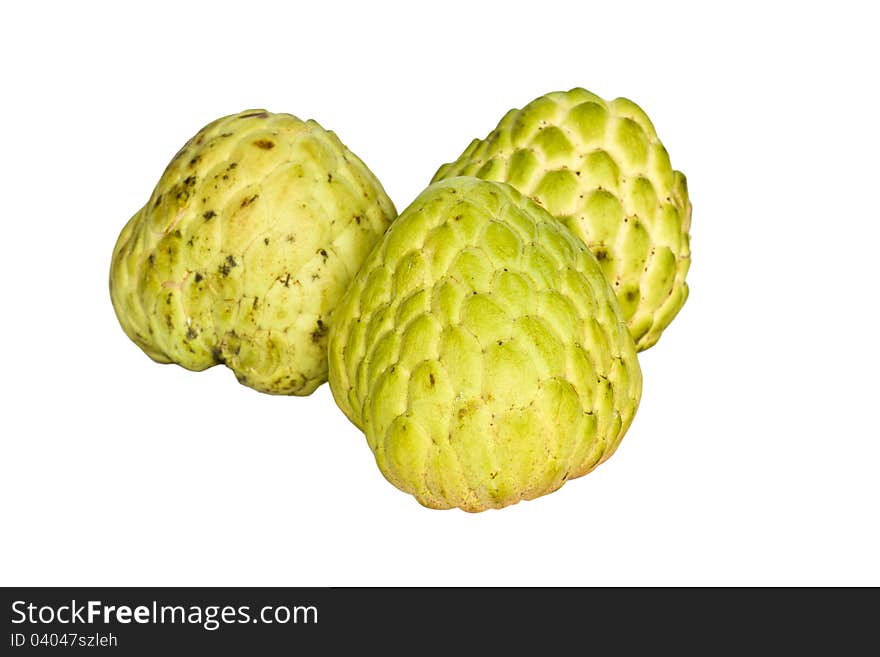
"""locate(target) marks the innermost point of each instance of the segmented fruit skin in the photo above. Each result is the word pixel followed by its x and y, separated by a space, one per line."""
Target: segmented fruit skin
pixel 482 351
pixel 599 167
pixel 244 248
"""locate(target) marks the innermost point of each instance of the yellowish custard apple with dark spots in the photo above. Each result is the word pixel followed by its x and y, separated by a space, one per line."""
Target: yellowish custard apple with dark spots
pixel 244 248
pixel 482 351
pixel 599 167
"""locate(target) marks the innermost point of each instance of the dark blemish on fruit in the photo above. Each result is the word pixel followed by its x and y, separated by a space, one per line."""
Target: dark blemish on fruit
pixel 319 332
pixel 500 342
pixel 601 254
pixel 265 144
pixel 226 134
pixel 225 176
pixel 492 475
pixel 177 233
pixel 315 277
pixel 152 259
pixel 191 333
pixel 227 265
pixel 261 115
pixel 256 301
pixel 329 177
pixel 247 201
pixel 290 238
pixel 357 218
pixel 631 295
pixel 168 299
pixel 198 277
pixel 190 242
pixel 431 379
pixel 158 201
pixel 457 217
pixel 286 280
pixel 189 181
pixel 233 165
pixel 168 322
pixel 323 253
pixel 210 214
pixel 266 241
pixel 218 356
pixel 195 161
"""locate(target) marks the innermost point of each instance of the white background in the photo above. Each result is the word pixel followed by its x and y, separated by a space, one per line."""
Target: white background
pixel 755 454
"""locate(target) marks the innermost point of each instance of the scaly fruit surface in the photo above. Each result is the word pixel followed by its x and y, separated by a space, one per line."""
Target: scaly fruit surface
pixel 245 247
pixel 599 167
pixel 482 351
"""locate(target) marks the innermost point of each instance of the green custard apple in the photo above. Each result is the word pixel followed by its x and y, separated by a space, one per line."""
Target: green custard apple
pixel 482 352
pixel 244 248
pixel 599 167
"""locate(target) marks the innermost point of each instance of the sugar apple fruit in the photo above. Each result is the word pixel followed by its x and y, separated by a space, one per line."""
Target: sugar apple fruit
pixel 599 167
pixel 245 247
pixel 482 351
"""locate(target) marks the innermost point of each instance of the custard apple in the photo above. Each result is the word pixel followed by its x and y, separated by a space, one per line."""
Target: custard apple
pixel 482 351
pixel 244 248
pixel 599 167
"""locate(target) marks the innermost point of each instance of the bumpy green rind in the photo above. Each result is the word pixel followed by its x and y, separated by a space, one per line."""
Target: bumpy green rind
pixel 245 247
pixel 599 167
pixel 482 351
